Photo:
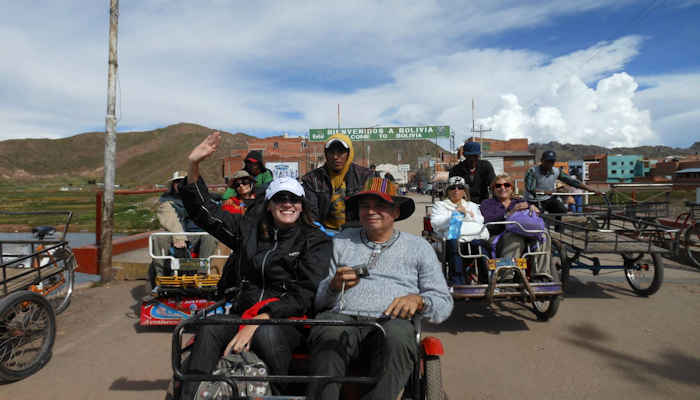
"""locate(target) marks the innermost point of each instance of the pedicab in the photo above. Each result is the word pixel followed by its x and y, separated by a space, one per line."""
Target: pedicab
pixel 252 382
pixel 36 284
pixel 187 286
pixel 581 240
pixel 499 278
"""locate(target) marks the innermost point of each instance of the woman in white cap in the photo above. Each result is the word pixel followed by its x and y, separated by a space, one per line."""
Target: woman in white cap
pixel 282 258
pixel 466 220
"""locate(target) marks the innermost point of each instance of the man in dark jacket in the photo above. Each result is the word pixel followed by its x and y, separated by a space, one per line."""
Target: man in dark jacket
pixel 477 173
pixel 327 187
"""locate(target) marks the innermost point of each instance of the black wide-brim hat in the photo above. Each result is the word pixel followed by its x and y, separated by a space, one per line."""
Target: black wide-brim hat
pixel 385 190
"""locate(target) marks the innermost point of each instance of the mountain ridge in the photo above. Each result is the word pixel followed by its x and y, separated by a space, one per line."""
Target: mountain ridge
pixel 150 157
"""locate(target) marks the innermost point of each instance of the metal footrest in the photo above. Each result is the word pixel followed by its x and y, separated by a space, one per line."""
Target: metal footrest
pixel 506 290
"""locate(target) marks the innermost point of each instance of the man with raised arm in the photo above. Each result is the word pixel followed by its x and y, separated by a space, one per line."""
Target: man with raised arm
pixel 377 274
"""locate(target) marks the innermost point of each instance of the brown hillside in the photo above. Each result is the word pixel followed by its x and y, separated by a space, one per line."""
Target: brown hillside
pixel 148 157
pixel 142 157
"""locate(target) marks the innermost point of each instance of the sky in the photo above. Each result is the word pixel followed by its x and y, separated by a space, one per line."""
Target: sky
pixel 609 73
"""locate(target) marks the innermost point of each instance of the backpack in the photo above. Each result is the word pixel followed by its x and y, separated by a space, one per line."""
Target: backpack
pixel 236 365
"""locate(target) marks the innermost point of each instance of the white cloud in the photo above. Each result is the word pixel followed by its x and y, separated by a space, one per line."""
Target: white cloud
pixel 578 114
pixel 249 66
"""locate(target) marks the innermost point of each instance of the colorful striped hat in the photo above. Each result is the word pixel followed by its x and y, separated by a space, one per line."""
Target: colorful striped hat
pixel 385 190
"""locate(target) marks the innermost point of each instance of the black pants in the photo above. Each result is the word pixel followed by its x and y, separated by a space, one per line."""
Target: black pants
pixel 553 206
pixel 392 360
pixel 272 343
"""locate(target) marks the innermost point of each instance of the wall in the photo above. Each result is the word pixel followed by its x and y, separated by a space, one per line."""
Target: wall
pixel 620 168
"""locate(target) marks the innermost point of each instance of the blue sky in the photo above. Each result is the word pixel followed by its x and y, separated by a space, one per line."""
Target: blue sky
pixel 612 73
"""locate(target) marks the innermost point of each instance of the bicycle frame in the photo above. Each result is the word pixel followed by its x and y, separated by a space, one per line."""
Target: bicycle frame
pixel 174 261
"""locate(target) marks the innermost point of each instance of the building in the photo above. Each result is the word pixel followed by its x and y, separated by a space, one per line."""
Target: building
pixel 507 156
pixel 292 156
pixel 688 177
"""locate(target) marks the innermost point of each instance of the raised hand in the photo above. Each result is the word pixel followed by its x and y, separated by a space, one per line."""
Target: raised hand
pixel 206 148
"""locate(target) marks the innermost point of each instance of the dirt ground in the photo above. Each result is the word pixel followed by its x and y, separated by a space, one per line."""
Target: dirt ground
pixel 604 343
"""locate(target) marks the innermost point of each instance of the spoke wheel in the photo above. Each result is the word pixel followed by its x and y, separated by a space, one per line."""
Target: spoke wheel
pixel 692 244
pixel 564 264
pixel 546 307
pixel 58 288
pixel 644 273
pixel 27 334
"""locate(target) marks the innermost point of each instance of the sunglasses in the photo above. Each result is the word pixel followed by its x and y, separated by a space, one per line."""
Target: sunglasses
pixel 505 185
pixel 453 187
pixel 281 198
pixel 240 183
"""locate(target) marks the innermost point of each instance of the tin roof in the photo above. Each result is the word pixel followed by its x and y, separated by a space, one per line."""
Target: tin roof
pixel 687 171
pixel 507 154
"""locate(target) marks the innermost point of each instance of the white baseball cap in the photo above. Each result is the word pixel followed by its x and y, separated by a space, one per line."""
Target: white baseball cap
pixel 456 180
pixel 283 184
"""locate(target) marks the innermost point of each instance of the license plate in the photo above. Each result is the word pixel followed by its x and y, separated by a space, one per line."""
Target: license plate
pixel 507 262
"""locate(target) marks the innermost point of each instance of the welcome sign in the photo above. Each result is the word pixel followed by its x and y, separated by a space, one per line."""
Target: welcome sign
pixel 383 133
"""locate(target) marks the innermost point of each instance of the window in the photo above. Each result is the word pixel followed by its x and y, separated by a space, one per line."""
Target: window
pixel 622 163
pixel 631 171
pixel 614 163
pixel 519 163
pixel 613 171
pixel 276 145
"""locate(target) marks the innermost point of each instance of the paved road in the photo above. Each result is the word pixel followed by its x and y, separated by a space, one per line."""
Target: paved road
pixel 604 343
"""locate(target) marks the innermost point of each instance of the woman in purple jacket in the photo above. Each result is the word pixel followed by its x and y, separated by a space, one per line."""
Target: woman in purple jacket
pixel 498 208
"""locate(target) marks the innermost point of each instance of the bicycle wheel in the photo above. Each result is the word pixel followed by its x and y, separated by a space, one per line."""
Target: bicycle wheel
pixel 432 380
pixel 644 275
pixel 564 264
pixel 27 334
pixel 546 307
pixel 692 244
pixel 58 288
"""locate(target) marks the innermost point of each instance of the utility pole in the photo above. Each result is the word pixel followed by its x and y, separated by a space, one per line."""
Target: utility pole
pixel 110 149
pixel 480 131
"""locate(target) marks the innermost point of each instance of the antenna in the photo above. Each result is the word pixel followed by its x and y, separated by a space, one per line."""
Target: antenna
pixel 480 131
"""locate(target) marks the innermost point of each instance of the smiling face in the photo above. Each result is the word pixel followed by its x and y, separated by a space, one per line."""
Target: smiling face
pixel 242 186
pixel 377 216
pixel 502 189
pixel 285 208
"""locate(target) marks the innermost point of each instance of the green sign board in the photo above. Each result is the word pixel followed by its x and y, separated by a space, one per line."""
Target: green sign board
pixel 382 133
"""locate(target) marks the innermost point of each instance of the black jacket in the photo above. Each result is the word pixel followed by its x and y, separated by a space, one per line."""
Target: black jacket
pixel 288 266
pixel 317 188
pixel 480 182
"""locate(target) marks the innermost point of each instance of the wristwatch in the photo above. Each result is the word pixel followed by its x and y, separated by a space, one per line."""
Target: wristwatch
pixel 425 303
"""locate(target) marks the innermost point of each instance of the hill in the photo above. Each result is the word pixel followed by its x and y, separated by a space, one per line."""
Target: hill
pixel 148 157
pixel 142 157
pixel 566 152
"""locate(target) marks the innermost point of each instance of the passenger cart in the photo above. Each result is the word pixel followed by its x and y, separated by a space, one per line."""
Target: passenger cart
pixel 504 279
pixel 424 383
pixel 581 240
pixel 36 283
pixel 189 285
